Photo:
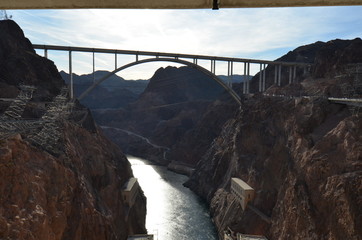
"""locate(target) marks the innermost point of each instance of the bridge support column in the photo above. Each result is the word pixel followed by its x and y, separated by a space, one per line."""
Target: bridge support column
pixel 213 66
pixel 195 61
pixel 264 77
pixel 94 69
pixel 279 75
pixel 290 74
pixel 244 79
pixel 230 73
pixel 275 74
pixel 45 53
pixel 248 79
pixel 71 75
pixel 260 77
pixel 115 61
pixel 294 73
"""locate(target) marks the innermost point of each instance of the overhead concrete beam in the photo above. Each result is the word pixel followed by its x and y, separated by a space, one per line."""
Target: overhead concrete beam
pixel 167 4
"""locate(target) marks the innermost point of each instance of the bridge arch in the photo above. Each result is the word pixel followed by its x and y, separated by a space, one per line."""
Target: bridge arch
pixel 233 94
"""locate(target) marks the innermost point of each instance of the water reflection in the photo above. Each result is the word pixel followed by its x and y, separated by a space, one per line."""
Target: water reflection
pixel 173 211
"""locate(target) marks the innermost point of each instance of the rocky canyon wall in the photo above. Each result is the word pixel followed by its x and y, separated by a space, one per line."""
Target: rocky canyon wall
pixel 302 155
pixel 60 177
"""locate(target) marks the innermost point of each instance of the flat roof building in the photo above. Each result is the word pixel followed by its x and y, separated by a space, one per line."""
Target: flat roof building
pixel 130 191
pixel 141 237
pixel 242 191
pixel 240 236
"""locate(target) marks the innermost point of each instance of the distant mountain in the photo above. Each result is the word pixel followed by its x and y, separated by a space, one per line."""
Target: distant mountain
pixel 114 92
pixel 113 83
pixel 235 78
pixel 173 85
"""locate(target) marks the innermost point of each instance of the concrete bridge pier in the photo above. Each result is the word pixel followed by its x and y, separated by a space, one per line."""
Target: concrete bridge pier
pixel 230 73
pixel 246 81
pixel 279 75
pixel 71 93
pixel 213 66
pixel 262 77
pixel 292 73
pixel 115 60
pixel 94 68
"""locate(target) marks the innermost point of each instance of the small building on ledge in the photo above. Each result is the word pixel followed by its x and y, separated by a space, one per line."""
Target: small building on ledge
pixel 140 237
pixel 242 191
pixel 240 236
pixel 130 191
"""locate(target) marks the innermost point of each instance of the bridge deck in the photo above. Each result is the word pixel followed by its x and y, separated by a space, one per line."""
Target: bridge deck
pixel 164 54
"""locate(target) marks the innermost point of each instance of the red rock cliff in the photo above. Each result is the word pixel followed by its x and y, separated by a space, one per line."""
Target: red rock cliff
pixel 301 155
pixel 60 177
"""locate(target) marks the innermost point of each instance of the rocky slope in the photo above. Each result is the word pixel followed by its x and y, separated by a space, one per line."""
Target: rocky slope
pixel 301 155
pixel 60 177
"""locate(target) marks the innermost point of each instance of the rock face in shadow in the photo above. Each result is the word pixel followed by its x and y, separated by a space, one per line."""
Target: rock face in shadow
pixel 195 142
pixel 302 155
pixel 171 105
pixel 115 92
pixel 302 158
pixel 19 64
pixel 60 177
pixel 75 196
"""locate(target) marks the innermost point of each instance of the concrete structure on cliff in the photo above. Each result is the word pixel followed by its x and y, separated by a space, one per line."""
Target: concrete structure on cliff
pixel 240 236
pixel 242 191
pixel 141 237
pixel 130 191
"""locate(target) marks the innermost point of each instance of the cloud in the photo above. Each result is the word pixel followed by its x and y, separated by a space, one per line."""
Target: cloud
pixel 248 33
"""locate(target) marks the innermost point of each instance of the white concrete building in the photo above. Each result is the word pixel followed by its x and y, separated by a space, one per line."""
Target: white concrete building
pixel 240 236
pixel 140 237
pixel 242 191
pixel 130 191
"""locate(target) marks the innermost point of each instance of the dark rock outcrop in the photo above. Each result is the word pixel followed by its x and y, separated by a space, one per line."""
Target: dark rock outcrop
pixel 301 155
pixel 69 186
pixel 19 64
pixel 171 105
pixel 298 156
pixel 195 142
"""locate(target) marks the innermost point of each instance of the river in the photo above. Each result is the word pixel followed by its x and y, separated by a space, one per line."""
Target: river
pixel 173 211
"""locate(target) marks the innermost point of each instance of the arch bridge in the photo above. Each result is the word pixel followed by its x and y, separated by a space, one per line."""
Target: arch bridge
pixel 188 60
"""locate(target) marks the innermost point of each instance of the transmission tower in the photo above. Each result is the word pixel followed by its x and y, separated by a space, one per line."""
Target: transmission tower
pixel 4 15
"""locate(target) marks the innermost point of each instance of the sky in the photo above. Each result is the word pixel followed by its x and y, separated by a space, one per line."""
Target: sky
pixel 256 33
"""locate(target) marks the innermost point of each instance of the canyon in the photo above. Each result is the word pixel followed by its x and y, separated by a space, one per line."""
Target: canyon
pixel 300 152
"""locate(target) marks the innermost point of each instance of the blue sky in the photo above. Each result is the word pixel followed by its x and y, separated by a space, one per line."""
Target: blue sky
pixel 263 33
